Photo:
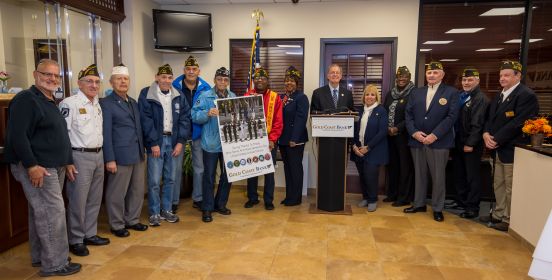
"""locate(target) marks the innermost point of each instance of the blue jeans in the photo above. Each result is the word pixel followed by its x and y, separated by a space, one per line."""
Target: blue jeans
pixel 209 203
pixel 268 185
pixel 178 176
pixel 197 163
pixel 162 165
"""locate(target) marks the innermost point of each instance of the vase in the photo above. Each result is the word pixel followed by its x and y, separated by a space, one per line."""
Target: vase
pixel 537 139
pixel 4 86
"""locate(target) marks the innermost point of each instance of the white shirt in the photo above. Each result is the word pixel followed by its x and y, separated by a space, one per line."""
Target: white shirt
pixel 84 120
pixel 364 121
pixel 431 90
pixel 166 103
pixel 506 93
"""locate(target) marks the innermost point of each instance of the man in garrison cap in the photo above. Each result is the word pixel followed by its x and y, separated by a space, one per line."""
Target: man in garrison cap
pixel 84 119
pixel 430 115
pixel 166 123
pixel 507 113
pixel 191 86
pixel 124 158
pixel 401 170
pixel 468 147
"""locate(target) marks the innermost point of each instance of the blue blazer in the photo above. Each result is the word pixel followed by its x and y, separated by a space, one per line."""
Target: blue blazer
pixel 295 112
pixel 122 131
pixel 151 116
pixel 439 119
pixel 375 136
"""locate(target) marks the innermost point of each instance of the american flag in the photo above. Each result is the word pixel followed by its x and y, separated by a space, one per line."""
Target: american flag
pixel 255 58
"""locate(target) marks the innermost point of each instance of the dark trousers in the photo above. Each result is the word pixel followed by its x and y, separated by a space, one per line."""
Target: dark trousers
pixel 293 169
pixel 400 169
pixel 369 178
pixel 219 200
pixel 467 173
pixel 252 184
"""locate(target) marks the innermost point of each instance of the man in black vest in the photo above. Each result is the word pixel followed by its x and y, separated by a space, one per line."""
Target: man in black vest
pixel 507 113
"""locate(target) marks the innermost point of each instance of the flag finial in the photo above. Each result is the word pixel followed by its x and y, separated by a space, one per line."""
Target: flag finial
pixel 257 14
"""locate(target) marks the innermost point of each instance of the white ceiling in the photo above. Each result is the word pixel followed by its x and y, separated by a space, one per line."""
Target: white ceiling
pixel 196 2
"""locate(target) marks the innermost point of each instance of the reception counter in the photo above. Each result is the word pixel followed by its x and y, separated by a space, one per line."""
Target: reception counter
pixel 531 192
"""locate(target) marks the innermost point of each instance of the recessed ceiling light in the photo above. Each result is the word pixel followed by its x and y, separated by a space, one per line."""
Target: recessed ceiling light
pixel 288 46
pixel 503 12
pixel 489 50
pixel 294 53
pixel 425 50
pixel 518 41
pixel 449 59
pixel 550 29
pixel 437 42
pixel 464 30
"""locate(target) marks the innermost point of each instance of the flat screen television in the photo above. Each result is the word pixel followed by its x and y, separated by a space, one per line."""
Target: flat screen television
pixel 178 31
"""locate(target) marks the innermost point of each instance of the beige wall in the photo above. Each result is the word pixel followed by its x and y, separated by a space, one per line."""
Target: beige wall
pixel 531 193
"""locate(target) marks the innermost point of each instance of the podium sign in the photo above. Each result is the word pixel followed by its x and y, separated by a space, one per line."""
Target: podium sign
pixel 334 126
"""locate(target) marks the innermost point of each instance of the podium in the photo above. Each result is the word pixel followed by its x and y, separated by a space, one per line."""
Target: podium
pixel 332 132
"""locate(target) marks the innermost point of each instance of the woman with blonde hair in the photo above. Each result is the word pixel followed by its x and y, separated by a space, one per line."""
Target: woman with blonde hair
pixel 370 145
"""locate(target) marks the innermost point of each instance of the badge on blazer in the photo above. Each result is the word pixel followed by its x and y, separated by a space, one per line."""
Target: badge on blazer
pixel 510 114
pixel 64 112
pixel 442 101
pixel 82 111
pixel 402 101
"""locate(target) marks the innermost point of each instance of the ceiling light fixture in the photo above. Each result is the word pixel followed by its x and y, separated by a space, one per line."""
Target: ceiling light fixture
pixel 449 59
pixel 518 41
pixel 464 30
pixel 437 42
pixel 503 12
pixel 425 50
pixel 489 50
pixel 294 53
pixel 288 46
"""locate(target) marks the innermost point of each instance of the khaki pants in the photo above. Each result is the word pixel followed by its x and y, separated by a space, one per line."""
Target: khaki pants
pixel 503 190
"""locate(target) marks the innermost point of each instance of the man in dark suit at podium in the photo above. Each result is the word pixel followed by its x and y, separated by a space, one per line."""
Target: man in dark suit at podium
pixel 332 98
pixel 430 115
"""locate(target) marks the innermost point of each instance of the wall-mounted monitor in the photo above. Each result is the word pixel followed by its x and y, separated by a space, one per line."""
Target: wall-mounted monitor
pixel 178 31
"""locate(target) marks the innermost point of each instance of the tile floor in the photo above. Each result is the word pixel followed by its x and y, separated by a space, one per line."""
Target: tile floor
pixel 290 243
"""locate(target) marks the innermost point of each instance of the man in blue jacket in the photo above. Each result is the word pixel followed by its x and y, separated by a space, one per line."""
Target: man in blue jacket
pixel 430 115
pixel 191 86
pixel 206 114
pixel 165 117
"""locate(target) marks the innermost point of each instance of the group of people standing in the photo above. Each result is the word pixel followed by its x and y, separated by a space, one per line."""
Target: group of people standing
pixel 411 131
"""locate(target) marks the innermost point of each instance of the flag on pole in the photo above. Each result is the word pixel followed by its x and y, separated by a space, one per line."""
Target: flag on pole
pixel 255 58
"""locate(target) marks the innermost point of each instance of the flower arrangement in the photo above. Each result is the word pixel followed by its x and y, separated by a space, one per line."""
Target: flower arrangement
pixel 4 76
pixel 537 126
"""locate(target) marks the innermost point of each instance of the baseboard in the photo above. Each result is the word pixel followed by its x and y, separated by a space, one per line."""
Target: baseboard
pixel 521 240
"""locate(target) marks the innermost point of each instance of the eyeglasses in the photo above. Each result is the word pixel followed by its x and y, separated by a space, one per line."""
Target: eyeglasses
pixel 50 75
pixel 90 81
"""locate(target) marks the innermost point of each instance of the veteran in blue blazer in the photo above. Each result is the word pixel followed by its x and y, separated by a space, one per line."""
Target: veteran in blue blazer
pixel 370 149
pixel 123 149
pixel 294 136
pixel 430 115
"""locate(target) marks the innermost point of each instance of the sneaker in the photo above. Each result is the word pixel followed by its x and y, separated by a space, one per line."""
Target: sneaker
pixel 155 220
pixel 68 269
pixel 363 203
pixel 372 206
pixel 169 217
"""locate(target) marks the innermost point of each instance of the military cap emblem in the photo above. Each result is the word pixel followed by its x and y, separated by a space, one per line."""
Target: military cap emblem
pixel 434 65
pixel 191 61
pixel 91 70
pixel 165 69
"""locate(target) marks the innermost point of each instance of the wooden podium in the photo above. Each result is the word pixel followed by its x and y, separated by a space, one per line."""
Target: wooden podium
pixel 332 132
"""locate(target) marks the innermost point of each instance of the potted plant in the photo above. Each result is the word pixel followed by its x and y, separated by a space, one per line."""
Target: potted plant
pixel 538 128
pixel 4 77
pixel 187 172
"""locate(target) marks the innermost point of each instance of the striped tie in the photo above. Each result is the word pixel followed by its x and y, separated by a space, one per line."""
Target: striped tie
pixel 334 95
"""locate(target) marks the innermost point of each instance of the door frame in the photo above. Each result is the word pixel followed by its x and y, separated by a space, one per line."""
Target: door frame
pixel 368 40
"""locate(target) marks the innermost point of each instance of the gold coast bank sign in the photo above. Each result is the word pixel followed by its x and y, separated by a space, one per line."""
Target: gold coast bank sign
pixel 325 126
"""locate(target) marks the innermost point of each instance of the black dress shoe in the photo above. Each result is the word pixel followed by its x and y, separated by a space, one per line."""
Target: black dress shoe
pixel 455 206
pixel 39 264
pixel 96 241
pixel 389 199
pixel 283 201
pixel 399 203
pixel 269 206
pixel 251 203
pixel 293 203
pixel 438 216
pixel 469 214
pixel 413 209
pixel 79 249
pixel 137 227
pixel 206 217
pixel 68 269
pixel 502 226
pixel 489 219
pixel 224 211
pixel 120 232
pixel 197 205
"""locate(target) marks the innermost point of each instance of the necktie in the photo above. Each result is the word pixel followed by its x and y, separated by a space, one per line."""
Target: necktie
pixel 500 99
pixel 334 95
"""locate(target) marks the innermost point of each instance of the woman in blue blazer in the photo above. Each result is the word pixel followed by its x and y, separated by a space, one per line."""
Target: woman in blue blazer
pixel 370 144
pixel 294 136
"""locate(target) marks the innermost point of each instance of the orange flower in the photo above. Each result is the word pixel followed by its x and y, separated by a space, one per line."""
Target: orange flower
pixel 536 126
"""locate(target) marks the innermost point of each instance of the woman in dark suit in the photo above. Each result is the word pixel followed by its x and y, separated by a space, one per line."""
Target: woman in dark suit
pixel 294 136
pixel 370 145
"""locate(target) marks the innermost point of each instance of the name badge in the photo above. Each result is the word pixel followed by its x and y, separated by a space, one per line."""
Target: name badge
pixel 82 111
pixel 442 101
pixel 510 114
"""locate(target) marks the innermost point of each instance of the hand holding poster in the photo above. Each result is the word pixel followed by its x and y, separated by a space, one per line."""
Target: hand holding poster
pixel 244 138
